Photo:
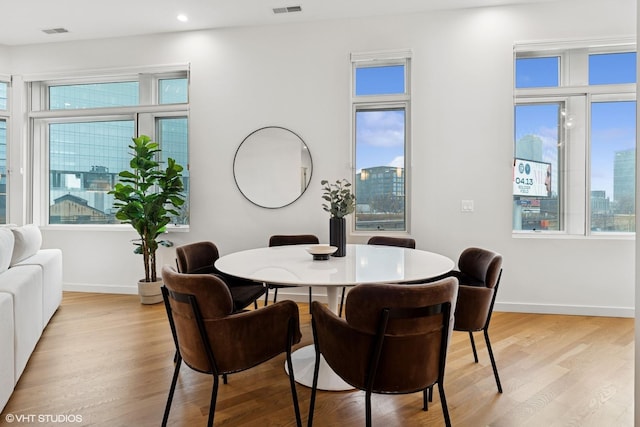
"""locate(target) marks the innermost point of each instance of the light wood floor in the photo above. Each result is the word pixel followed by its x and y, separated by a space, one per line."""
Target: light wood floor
pixel 108 360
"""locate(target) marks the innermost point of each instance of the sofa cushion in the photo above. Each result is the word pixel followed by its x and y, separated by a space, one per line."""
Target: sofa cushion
pixel 28 240
pixel 6 248
pixel 50 263
pixel 24 283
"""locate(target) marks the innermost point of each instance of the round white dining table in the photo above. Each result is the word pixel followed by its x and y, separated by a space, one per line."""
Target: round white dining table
pixel 292 265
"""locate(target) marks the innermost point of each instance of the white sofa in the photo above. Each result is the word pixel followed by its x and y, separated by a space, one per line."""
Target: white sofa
pixel 30 293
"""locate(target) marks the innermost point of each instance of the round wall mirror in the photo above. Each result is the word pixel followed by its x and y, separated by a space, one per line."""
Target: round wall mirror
pixel 272 167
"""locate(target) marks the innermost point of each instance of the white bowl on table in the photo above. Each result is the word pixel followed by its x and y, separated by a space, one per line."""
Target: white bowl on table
pixel 321 252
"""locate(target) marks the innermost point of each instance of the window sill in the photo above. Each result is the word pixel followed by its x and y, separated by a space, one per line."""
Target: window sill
pixel 564 236
pixel 107 228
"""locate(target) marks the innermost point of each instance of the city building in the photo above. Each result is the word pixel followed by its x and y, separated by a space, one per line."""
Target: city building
pixel 624 184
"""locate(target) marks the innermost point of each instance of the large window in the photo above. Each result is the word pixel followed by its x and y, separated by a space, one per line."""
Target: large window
pixel 574 139
pixel 82 133
pixel 381 112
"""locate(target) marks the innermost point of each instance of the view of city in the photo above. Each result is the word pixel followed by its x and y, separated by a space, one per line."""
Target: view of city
pixel 86 154
pixel 85 157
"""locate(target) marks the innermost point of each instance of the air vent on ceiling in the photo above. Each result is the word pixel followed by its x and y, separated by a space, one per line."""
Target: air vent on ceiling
pixel 55 31
pixel 288 9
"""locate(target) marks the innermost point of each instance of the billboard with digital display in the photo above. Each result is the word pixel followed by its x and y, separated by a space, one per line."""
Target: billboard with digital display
pixel 531 179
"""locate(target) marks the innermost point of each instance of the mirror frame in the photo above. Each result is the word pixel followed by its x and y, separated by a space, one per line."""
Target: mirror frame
pixel 304 144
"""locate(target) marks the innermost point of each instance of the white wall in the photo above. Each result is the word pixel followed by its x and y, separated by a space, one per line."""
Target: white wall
pixel 4 60
pixel 297 76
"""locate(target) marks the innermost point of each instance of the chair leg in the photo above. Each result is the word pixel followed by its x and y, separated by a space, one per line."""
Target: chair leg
pixel 224 378
pixel 212 405
pixel 275 294
pixel 266 296
pixel 443 402
pixel 425 398
pixel 174 380
pixel 341 302
pixel 493 360
pixel 367 398
pixel 310 298
pixel 428 395
pixel 314 386
pixel 294 393
pixel 473 346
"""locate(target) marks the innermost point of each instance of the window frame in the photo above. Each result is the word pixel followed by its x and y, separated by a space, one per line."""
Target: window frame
pixel 383 102
pixel 604 98
pixel 562 160
pixel 579 97
pixel 143 115
pixel 5 115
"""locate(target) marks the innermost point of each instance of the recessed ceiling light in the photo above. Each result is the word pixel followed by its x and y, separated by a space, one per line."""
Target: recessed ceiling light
pixel 182 18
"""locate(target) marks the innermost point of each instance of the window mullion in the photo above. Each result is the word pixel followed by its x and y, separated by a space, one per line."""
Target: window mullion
pixel 108 111
pixel 575 161
pixel 146 89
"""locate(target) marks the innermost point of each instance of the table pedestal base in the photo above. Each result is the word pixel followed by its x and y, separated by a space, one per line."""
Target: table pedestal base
pixel 303 361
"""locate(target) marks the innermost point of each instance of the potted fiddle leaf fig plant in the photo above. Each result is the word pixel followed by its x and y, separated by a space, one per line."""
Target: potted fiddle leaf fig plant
pixel 146 196
pixel 341 202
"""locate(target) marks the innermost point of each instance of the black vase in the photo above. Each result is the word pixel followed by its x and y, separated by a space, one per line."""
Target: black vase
pixel 338 235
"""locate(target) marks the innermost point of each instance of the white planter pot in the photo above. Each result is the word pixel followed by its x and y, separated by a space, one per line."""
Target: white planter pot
pixel 150 292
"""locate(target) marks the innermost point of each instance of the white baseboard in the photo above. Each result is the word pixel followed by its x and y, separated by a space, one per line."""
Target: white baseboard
pixel 100 289
pixel 301 295
pixel 578 310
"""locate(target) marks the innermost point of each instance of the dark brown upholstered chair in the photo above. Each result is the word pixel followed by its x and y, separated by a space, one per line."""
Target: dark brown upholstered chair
pixel 393 340
pixel 401 242
pixel 479 272
pixel 212 339
pixel 290 239
pixel 199 258
pixel 392 241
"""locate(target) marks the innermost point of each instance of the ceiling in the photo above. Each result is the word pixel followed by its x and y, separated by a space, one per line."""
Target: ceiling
pixel 93 19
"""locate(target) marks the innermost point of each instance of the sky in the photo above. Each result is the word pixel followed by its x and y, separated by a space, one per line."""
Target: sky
pixel 380 134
